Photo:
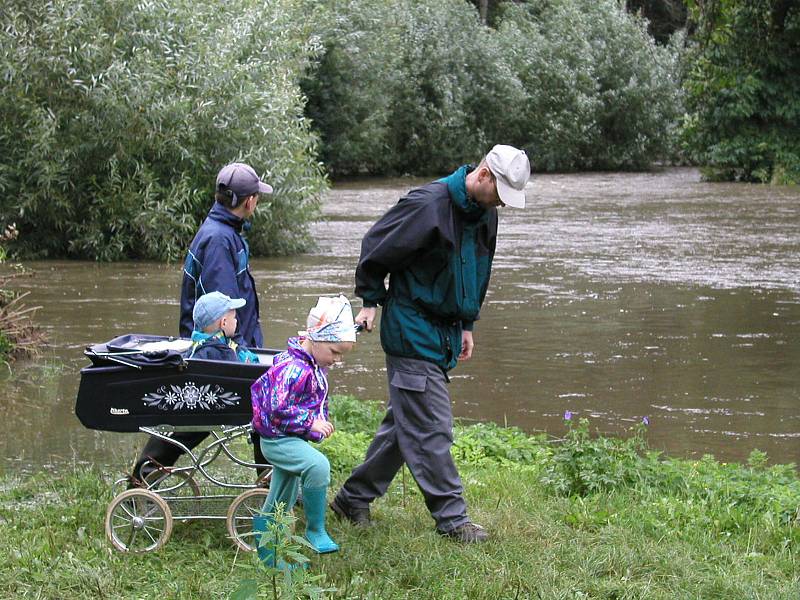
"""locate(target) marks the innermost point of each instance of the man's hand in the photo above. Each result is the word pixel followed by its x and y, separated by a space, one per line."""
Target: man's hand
pixel 467 345
pixel 366 317
pixel 323 427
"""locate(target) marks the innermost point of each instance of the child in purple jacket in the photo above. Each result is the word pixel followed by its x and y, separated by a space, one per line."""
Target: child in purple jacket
pixel 290 409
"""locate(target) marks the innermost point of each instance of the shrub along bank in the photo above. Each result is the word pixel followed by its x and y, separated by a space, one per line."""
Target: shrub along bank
pixel 587 517
pixel 579 84
pixel 19 336
pixel 743 90
pixel 116 116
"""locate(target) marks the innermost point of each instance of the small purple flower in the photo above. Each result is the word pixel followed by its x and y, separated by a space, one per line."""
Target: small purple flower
pixel 645 421
pixel 567 415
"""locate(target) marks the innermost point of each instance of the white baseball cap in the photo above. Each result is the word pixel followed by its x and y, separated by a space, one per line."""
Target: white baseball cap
pixel 512 170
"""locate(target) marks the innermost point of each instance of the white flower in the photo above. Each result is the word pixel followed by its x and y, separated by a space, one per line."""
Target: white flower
pixel 191 395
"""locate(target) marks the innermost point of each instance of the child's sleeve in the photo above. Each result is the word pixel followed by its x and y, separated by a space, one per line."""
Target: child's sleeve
pixel 289 411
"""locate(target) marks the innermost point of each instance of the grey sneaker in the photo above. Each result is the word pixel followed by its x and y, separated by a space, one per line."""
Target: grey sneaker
pixel 467 533
pixel 357 516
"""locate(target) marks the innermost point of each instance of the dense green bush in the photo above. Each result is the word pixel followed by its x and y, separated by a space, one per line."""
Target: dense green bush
pixel 115 117
pixel 743 90
pixel 579 84
pixel 599 92
pixel 400 86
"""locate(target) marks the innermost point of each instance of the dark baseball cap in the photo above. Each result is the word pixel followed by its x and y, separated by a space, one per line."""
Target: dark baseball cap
pixel 242 180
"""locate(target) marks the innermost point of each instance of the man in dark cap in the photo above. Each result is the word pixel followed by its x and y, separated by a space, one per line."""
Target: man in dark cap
pixel 218 261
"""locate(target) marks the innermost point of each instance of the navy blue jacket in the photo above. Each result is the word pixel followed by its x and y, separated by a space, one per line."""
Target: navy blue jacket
pixel 215 348
pixel 437 245
pixel 219 260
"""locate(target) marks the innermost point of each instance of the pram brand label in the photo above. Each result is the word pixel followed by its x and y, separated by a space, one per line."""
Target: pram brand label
pixel 119 411
pixel 191 397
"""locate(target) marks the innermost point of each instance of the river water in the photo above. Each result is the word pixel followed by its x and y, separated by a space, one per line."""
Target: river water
pixel 614 296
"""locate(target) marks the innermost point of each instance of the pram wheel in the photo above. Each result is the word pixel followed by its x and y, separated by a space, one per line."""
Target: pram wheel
pixel 138 520
pixel 240 517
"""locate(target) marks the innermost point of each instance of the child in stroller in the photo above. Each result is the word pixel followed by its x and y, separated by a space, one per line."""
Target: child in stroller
pixel 215 323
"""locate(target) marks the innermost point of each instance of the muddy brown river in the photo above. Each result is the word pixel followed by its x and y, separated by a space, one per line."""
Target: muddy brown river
pixel 614 296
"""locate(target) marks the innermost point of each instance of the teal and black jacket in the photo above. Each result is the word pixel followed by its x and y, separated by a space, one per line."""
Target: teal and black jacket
pixel 437 246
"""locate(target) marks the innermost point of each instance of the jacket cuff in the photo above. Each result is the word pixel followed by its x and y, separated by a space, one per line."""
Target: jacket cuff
pixel 467 325
pixel 314 436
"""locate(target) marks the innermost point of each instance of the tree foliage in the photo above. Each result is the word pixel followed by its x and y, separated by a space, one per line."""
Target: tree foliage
pixel 664 17
pixel 599 92
pixel 580 84
pixel 115 117
pixel 743 90
pixel 395 95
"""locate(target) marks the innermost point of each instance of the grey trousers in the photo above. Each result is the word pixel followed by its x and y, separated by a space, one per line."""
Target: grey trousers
pixel 418 431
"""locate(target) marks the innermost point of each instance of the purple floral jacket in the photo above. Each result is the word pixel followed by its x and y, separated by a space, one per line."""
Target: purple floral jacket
pixel 290 395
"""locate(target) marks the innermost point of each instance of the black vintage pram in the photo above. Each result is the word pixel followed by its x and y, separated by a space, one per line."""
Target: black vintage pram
pixel 145 383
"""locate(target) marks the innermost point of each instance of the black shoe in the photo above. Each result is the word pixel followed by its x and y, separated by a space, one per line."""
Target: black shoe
pixel 357 516
pixel 134 482
pixel 467 533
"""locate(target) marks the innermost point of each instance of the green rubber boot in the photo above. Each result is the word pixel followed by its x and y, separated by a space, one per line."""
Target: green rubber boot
pixel 314 505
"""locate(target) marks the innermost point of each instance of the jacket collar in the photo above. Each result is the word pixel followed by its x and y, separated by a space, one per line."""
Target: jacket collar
pixel 223 215
pixel 457 187
pixel 205 338
pixel 296 350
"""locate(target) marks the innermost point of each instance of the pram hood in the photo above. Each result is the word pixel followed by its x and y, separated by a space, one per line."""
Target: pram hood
pixel 140 351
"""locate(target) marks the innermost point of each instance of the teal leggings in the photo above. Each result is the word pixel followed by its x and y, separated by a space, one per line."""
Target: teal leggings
pixel 295 461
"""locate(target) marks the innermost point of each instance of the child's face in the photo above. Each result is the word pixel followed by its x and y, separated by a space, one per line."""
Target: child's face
pixel 329 353
pixel 228 323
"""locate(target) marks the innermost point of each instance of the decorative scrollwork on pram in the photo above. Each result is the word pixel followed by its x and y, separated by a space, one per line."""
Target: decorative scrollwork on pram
pixel 191 397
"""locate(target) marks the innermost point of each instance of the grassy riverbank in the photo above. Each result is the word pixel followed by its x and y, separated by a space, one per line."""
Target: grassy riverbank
pixel 583 518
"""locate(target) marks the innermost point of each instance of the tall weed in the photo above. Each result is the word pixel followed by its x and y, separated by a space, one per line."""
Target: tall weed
pixel 582 465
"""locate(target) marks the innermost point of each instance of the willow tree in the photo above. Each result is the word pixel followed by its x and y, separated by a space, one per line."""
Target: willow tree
pixel 115 117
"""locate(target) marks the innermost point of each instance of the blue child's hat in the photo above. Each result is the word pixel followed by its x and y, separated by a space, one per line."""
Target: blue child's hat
pixel 211 307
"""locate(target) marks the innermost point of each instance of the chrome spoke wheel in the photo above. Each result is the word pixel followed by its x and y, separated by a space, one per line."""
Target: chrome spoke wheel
pixel 240 517
pixel 138 521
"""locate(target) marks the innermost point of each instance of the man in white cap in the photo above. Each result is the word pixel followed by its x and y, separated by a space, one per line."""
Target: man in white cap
pixel 218 261
pixel 436 244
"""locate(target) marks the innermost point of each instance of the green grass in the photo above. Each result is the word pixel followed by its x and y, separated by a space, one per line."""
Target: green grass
pixel 656 528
